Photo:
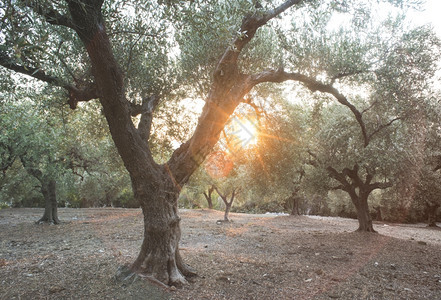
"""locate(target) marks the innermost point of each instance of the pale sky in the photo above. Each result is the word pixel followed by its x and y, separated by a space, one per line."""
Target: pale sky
pixel 431 14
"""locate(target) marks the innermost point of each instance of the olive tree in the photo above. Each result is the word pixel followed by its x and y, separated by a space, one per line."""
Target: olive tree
pixel 36 140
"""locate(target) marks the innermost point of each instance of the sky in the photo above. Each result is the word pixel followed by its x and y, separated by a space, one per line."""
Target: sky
pixel 431 14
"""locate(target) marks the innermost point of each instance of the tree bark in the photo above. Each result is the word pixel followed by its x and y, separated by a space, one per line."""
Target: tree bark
pixel 159 256
pixel 227 210
pixel 156 187
pixel 48 189
pixel 363 215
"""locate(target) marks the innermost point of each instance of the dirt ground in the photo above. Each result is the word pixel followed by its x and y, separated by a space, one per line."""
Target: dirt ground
pixel 254 257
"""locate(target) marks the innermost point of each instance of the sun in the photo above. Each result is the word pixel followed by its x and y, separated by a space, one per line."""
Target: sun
pixel 243 132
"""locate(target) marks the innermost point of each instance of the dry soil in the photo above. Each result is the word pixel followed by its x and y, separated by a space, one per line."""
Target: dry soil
pixel 254 257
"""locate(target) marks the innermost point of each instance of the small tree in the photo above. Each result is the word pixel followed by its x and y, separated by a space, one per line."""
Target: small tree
pixel 228 203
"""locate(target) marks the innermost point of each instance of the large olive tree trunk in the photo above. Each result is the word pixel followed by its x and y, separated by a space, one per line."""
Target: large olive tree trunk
pixel 159 256
pixel 157 187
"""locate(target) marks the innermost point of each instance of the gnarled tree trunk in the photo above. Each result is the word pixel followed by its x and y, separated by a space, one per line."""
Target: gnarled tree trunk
pixel 363 215
pixel 48 189
pixel 159 256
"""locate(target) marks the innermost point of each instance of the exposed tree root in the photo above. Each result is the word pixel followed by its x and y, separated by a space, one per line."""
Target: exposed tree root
pixel 368 230
pixel 44 220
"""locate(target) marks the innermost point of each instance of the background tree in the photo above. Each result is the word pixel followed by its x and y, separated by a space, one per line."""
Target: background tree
pixel 208 196
pixel 35 138
pixel 228 203
pixel 426 198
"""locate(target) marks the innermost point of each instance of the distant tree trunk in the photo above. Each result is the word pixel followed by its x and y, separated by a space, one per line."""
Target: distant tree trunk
pixel 208 197
pixel 292 204
pixel 359 191
pixel 379 216
pixel 295 206
pixel 295 198
pixel 431 212
pixel 48 189
pixel 228 204
pixel 228 208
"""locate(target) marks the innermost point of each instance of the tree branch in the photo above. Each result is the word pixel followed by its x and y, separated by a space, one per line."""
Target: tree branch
pixel 227 89
pixel 257 109
pixel 381 127
pixel 32 171
pixel 312 162
pixel 224 197
pixel 81 95
pixel 345 74
pixel 51 15
pixel 338 187
pixel 340 177
pixel 234 194
pixel 37 73
pixel 227 65
pixel 369 107
pixel 380 185
pixel 313 85
pixel 148 106
pixel 75 94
